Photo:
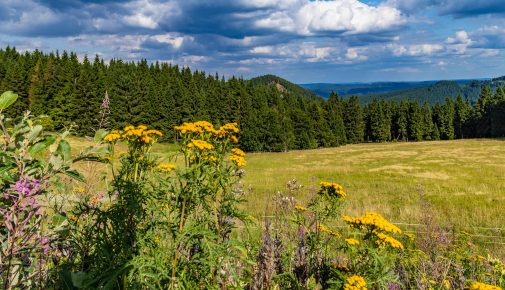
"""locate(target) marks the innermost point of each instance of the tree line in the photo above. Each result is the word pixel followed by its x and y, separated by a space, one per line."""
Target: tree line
pixel 70 91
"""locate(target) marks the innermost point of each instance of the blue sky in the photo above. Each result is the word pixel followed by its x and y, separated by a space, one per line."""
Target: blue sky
pixel 301 40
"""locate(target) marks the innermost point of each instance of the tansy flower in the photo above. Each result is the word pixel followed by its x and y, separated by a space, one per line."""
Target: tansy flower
pixel 352 242
pixel 238 160
pixel 372 221
pixel 111 137
pixel 230 127
pixel 238 152
pixel 332 189
pixel 355 283
pixel 167 167
pixel 300 208
pixel 324 229
pixel 200 144
pixel 385 240
pixel 482 286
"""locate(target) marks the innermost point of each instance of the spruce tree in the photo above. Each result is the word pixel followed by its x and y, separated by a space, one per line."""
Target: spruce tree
pixel 353 120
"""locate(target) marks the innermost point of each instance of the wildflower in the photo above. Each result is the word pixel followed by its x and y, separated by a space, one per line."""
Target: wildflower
pixel 234 139
pixel 167 167
pixel 230 127
pixel 79 189
pixel 95 199
pixel 355 282
pixel 238 152
pixel 332 189
pixel 352 242
pixel 483 286
pixel 324 229
pixel 300 208
pixel 385 240
pixel 200 144
pixel 238 160
pixel 154 132
pixel 210 158
pixel 372 221
pixel 147 139
pixel 128 128
pixel 111 137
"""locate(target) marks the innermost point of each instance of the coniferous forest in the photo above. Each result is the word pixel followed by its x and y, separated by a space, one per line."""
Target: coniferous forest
pixel 272 118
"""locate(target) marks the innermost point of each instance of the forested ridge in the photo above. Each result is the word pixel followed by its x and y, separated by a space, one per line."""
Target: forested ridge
pixel 272 118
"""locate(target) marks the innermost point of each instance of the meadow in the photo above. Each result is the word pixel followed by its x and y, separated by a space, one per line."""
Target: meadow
pixel 460 183
pixel 122 211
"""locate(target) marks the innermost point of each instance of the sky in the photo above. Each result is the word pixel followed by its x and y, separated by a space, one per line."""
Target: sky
pixel 303 41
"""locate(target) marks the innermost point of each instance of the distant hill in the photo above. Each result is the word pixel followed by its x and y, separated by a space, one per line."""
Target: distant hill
pixel 428 91
pixel 284 85
pixel 358 89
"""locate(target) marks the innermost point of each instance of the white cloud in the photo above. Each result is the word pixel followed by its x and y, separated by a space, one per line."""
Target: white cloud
pixel 141 20
pixel 355 53
pixel 262 49
pixel 148 14
pixel 342 16
pixel 174 40
pixel 459 43
pixel 416 49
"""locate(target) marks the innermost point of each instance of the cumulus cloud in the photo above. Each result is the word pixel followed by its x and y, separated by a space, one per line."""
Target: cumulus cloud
pixel 344 16
pixel 460 42
pixel 424 49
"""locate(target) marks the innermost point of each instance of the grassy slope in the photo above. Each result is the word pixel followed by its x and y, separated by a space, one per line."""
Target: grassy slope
pixel 463 180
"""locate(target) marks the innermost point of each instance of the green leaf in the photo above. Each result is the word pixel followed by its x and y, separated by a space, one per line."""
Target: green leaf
pixel 34 132
pixel 58 219
pixel 64 150
pixel 42 145
pixel 7 99
pixel 56 162
pixel 99 135
pixel 75 175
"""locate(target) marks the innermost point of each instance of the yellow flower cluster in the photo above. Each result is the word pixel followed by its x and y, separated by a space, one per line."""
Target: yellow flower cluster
pixel 238 157
pixel 352 242
pixel 385 240
pixel 132 133
pixel 300 208
pixel 113 136
pixel 167 167
pixel 200 144
pixel 324 229
pixel 372 221
pixel 355 283
pixel 482 286
pixel 332 189
pixel 201 127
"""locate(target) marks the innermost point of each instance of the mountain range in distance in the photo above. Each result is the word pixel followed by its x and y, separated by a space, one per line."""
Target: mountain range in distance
pixel 435 91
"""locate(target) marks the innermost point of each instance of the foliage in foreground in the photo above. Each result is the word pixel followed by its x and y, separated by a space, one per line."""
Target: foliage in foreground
pixel 178 225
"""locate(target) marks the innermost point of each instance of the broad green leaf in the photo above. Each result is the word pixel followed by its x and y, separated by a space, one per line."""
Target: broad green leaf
pixel 56 162
pixel 64 150
pixel 58 219
pixel 7 99
pixel 34 132
pixel 99 135
pixel 42 145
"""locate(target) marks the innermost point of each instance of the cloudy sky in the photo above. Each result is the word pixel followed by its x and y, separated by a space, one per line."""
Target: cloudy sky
pixel 301 40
